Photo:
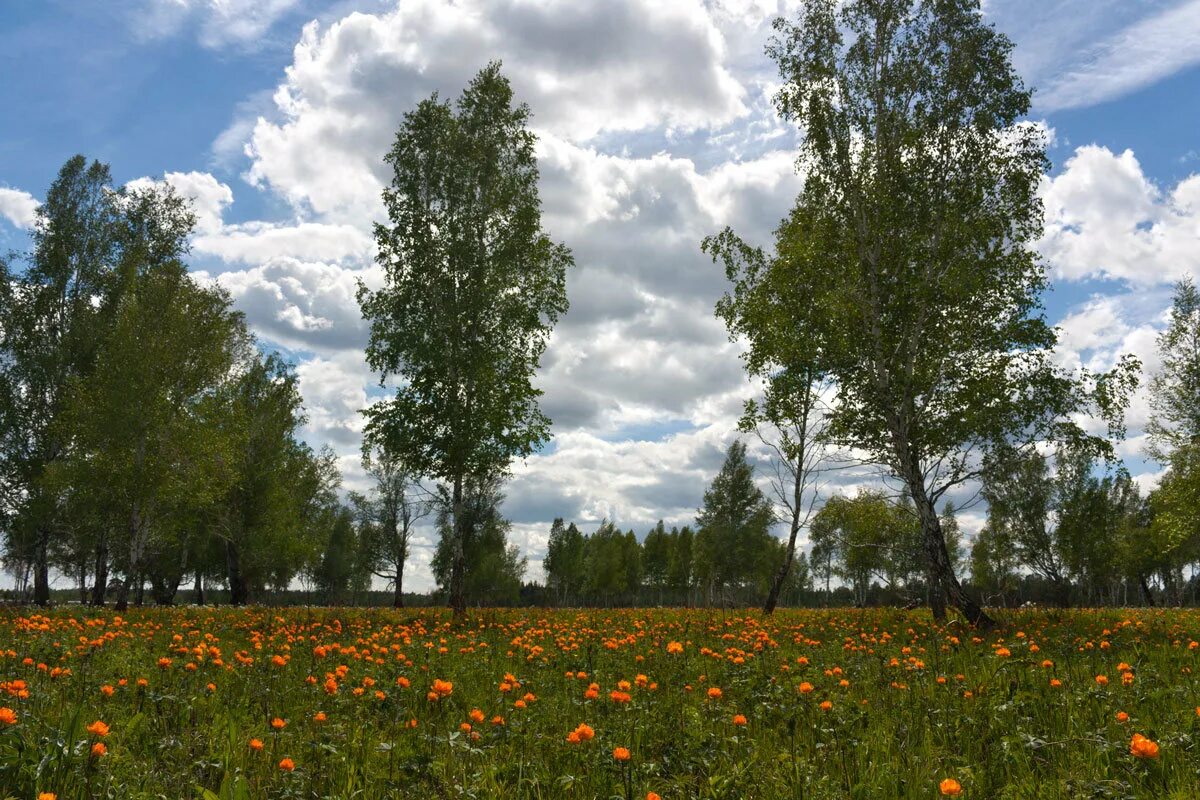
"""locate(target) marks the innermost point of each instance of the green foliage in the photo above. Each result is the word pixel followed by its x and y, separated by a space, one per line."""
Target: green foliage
pixel 472 289
pixel 494 568
pixel 734 546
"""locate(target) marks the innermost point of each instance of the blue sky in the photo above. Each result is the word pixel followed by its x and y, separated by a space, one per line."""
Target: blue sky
pixel 655 129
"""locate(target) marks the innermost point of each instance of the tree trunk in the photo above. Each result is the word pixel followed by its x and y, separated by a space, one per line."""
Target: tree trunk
pixel 1149 598
pixel 41 567
pixel 199 588
pixel 398 594
pixel 100 588
pixel 123 594
pixel 937 598
pixel 458 564
pixel 939 568
pixel 83 575
pixel 140 597
pixel 237 581
pixel 793 531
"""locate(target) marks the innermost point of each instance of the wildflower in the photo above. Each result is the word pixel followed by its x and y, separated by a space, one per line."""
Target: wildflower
pixel 1122 716
pixel 805 687
pixel 1142 747
pixel 98 728
pixel 278 724
pixel 287 765
pixel 621 753
pixel 47 796
pixel 320 717
pixel 107 690
pixel 256 745
pixel 9 717
pixel 714 693
pixel 442 688
pixel 98 750
pixel 476 715
pixel 950 787
pixel 582 733
pixel 1055 683
pixel 739 719
pixel 826 705
pixel 674 648
pixel 649 796
pixel 1102 680
pixel 1003 652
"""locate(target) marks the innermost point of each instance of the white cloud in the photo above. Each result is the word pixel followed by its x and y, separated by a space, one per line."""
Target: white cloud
pixel 18 207
pixel 209 197
pixel 1146 51
pixel 1106 219
pixel 220 22
pixel 625 65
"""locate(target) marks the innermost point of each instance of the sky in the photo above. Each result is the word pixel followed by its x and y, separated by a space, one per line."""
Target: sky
pixel 655 127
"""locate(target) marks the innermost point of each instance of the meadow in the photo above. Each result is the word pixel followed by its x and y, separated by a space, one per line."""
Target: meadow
pixel 354 703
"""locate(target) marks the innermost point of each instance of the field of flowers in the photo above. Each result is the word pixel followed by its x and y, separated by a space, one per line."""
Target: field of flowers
pixel 346 703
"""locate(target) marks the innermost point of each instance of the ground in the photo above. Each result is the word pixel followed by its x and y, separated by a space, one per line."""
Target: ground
pixel 353 703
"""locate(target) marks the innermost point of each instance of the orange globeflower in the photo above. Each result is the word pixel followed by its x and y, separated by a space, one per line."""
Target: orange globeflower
pixel 9 717
pixel 47 796
pixel 652 796
pixel 805 687
pixel 674 647
pixel 950 787
pixel 621 753
pixel 287 765
pixel 320 716
pixel 714 693
pixel 739 719
pixel 826 705
pixel 97 728
pixel 278 724
pixel 1122 716
pixel 107 690
pixel 1102 680
pixel 98 750
pixel 1142 747
pixel 256 745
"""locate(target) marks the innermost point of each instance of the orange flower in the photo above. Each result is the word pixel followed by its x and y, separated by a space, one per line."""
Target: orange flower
pixel 47 796
pixel 1142 747
pixel 621 753
pixel 652 796
pixel 950 787
pixel 674 647
pixel 287 765
pixel 476 715
pixel 9 717
pixel 98 728
pixel 1003 652
pixel 1122 716
pixel 320 717
pixel 805 687
pixel 98 750
pixel 714 693
pixel 826 705
pixel 582 733
pixel 442 688
pixel 256 745
pixel 1102 680
pixel 739 719
pixel 107 690
pixel 278 724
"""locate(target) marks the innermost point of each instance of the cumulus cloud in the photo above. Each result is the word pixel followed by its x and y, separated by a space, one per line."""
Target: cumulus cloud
pixel 18 207
pixel 301 305
pixel 584 68
pixel 1106 219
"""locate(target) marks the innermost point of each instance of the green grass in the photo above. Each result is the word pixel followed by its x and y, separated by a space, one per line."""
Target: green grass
pixel 993 723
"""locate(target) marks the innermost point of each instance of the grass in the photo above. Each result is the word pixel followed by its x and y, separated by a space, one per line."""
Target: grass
pixel 897 704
